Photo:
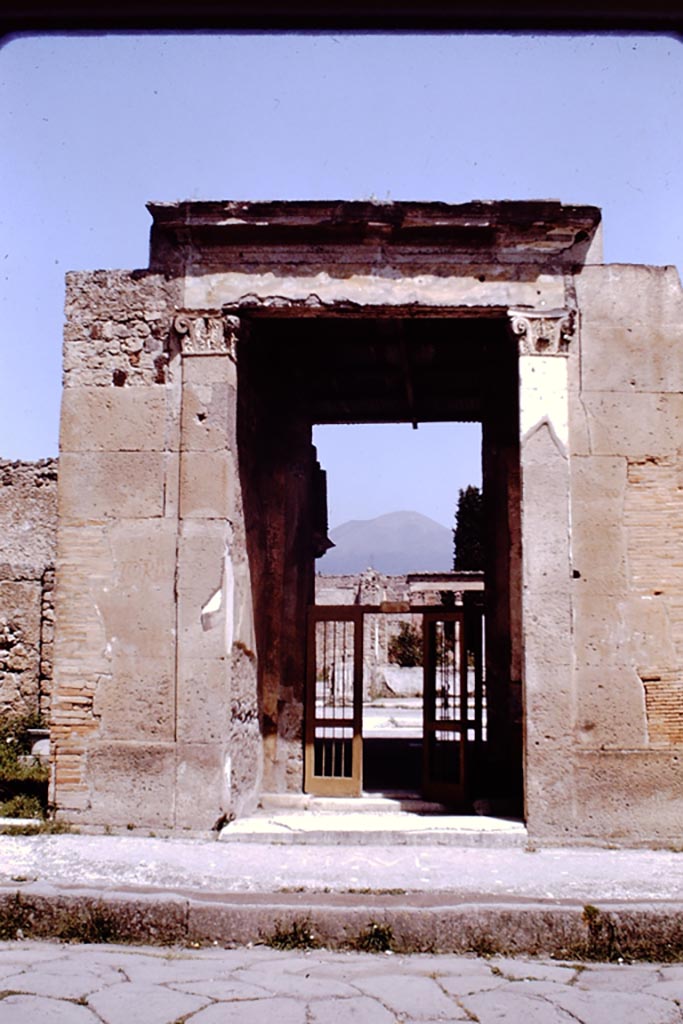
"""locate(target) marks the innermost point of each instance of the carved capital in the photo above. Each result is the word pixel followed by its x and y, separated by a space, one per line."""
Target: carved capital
pixel 542 332
pixel 207 334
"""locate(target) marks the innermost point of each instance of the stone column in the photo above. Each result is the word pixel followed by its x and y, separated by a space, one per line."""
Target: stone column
pixel 543 337
pixel 216 772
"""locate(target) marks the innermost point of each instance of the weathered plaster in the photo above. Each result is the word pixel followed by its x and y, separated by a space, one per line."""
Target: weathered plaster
pixel 423 290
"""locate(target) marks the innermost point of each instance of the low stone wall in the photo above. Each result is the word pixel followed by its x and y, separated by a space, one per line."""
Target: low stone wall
pixel 28 521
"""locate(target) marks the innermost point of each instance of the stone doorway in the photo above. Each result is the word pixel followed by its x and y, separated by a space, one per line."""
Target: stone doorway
pixel 382 366
pixel 189 492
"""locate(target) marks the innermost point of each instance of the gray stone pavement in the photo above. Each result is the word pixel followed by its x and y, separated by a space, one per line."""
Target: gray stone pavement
pixel 62 984
pixel 205 867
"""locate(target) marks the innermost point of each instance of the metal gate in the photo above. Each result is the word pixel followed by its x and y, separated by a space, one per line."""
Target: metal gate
pixel 334 701
pixel 454 700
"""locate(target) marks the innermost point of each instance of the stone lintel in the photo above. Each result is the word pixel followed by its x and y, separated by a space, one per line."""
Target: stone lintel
pixel 189 234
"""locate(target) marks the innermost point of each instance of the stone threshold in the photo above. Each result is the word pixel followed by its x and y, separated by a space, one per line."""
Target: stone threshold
pixel 397 819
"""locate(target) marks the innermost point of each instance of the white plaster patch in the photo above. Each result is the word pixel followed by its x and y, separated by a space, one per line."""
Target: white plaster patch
pixel 215 290
pixel 229 591
pixel 211 610
pixel 543 395
pixel 222 602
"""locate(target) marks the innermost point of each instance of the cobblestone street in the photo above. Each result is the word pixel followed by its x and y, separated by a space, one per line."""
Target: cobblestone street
pixel 62 984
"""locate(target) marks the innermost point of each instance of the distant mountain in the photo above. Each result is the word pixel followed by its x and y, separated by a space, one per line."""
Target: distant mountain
pixel 395 543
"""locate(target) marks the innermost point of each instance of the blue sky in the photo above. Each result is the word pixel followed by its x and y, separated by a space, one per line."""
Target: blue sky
pixel 93 126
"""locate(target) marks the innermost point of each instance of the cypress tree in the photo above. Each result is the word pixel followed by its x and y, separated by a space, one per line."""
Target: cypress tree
pixel 468 548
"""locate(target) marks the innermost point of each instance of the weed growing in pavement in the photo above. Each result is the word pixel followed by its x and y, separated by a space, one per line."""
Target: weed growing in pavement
pixel 377 938
pixel 92 924
pixel 299 935
pixel 22 917
pixel 44 828
pixel 484 945
pixel 369 891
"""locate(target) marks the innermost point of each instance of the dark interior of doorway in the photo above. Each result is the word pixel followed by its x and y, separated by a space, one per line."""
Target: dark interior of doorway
pixel 343 368
pixel 401 464
pixel 392 766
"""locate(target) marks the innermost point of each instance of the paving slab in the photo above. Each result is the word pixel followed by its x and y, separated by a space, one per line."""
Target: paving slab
pixel 123 1003
pixel 55 984
pixel 17 1009
pixel 356 1010
pixel 325 987
pixel 607 1007
pixel 503 1004
pixel 422 998
pixel 284 1011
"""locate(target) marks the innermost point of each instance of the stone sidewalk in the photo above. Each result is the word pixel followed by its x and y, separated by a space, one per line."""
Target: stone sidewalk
pixel 57 984
pixel 585 903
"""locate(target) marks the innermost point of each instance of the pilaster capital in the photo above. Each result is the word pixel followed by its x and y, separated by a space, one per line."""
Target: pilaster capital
pixel 207 334
pixel 542 332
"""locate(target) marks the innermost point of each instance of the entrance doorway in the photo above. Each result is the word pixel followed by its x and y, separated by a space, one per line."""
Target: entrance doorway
pixel 340 367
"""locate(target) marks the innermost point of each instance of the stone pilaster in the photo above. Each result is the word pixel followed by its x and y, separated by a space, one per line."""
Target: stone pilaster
pixel 544 337
pixel 214 636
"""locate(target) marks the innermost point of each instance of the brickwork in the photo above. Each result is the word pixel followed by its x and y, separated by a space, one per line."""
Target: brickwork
pixel 47 638
pixel 654 522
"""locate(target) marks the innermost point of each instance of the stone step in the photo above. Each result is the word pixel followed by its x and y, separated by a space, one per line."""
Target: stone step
pixel 357 828
pixel 368 803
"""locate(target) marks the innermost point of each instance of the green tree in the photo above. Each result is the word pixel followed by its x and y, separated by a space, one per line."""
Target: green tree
pixel 405 648
pixel 468 547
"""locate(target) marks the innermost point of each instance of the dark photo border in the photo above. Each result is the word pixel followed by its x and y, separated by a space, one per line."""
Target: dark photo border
pixel 359 15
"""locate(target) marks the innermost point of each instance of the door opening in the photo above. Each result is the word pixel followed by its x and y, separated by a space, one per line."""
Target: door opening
pixel 322 370
pixel 413 676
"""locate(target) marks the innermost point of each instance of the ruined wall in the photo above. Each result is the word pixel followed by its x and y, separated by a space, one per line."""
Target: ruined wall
pixel 28 525
pixel 626 420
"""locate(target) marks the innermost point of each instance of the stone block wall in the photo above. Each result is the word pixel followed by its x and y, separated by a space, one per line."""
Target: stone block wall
pixel 626 420
pixel 113 715
pixel 155 720
pixel 28 525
